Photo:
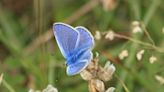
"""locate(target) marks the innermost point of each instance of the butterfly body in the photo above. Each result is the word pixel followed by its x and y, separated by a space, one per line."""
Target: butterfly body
pixel 75 44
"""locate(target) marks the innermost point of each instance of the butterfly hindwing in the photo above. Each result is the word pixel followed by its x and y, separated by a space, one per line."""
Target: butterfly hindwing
pixel 79 63
pixel 77 67
pixel 66 38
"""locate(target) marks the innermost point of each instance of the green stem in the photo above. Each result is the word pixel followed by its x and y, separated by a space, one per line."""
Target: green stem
pixel 8 86
pixel 51 72
pixel 135 4
pixel 161 50
pixel 151 11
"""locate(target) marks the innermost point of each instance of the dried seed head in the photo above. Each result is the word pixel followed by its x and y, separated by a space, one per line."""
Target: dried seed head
pixel 111 89
pixel 91 87
pixel 1 78
pixel 86 75
pixel 91 66
pixel 50 88
pixel 123 54
pixel 110 35
pixel 109 4
pixel 98 84
pixel 106 73
pixel 98 35
pixel 140 54
pixel 152 59
pixel 160 79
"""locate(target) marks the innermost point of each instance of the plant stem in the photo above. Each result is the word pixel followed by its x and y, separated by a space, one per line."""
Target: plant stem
pixel 8 86
pixel 51 72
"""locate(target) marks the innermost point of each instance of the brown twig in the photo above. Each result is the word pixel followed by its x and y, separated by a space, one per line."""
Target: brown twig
pixel 38 41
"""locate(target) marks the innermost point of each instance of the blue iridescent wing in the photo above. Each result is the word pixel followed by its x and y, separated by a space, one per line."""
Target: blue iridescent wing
pixel 80 63
pixel 76 67
pixel 83 48
pixel 85 39
pixel 66 37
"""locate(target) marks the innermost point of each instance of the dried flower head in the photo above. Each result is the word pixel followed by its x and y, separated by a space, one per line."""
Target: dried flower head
pixel 109 4
pixel 50 88
pixel 160 79
pixel 86 75
pixel 106 73
pixel 1 78
pixel 123 54
pixel 96 75
pixel 110 89
pixel 109 35
pixel 140 54
pixel 152 59
pixel 98 35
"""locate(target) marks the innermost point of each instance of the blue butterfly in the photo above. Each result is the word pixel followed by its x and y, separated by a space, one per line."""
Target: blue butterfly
pixel 75 45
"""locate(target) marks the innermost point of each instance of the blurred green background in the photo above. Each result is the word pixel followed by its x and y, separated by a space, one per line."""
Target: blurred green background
pixel 30 57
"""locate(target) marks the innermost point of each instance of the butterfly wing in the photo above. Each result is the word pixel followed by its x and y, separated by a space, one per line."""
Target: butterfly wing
pixel 80 63
pixel 66 38
pixel 85 39
pixel 83 48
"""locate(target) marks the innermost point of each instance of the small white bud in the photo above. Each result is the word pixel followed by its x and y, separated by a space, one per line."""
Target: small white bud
pixel 136 27
pixel 135 23
pixel 98 35
pixel 163 30
pixel 152 59
pixel 123 54
pixel 109 35
pixel 111 89
pixel 140 54
pixel 50 88
pixel 160 79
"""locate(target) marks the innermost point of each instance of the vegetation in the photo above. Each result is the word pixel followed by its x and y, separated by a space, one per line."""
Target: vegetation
pixel 128 33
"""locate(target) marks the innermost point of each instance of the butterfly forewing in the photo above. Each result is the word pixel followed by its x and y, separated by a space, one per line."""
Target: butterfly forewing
pixel 66 38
